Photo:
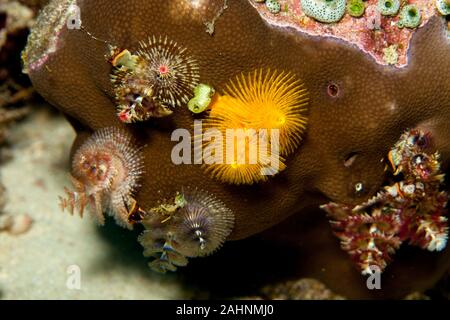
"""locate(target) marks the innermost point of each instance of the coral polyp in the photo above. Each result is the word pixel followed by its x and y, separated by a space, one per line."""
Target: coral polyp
pixel 356 8
pixel 410 17
pixel 388 7
pixel 412 209
pixel 273 6
pixel 196 224
pixel 105 173
pixel 158 77
pixel 324 10
pixel 443 7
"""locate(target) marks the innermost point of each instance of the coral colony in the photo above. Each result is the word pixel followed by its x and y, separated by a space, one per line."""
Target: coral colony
pixel 412 209
pixel 308 108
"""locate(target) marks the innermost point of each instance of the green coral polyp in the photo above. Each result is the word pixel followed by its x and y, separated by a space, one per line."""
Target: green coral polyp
pixel 273 6
pixel 327 11
pixel 410 17
pixel 388 7
pixel 443 7
pixel 356 8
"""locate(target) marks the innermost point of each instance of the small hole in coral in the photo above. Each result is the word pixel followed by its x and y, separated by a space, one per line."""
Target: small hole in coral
pixel 388 4
pixel 359 188
pixel 333 90
pixel 2 20
pixel 350 159
pixel 412 13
